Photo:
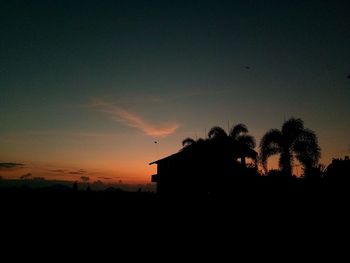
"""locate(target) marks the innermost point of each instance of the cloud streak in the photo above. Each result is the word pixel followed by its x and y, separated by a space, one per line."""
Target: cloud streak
pixel 105 178
pixel 79 172
pixel 58 171
pixel 8 166
pixel 134 120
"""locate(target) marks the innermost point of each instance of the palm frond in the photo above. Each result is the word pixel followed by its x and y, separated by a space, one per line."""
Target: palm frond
pixel 237 130
pixel 188 141
pixel 270 144
pixel 306 148
pixel 291 129
pixel 247 140
pixel 217 132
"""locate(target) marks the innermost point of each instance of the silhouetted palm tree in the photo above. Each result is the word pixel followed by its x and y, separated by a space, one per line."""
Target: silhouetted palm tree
pixel 217 133
pixel 240 142
pixel 292 141
pixel 188 141
pixel 240 137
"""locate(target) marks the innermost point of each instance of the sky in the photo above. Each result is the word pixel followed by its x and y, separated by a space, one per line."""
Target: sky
pixel 88 87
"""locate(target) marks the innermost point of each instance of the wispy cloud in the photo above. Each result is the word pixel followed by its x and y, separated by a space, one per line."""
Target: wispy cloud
pixel 134 120
pixel 105 178
pixel 58 171
pixel 79 172
pixel 7 166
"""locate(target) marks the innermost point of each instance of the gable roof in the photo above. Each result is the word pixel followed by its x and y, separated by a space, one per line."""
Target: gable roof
pixel 247 153
pixel 172 156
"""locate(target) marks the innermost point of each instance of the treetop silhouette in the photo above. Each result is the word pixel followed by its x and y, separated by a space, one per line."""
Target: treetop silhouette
pixel 293 140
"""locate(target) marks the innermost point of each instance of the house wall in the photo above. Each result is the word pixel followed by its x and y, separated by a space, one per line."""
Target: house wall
pixel 196 172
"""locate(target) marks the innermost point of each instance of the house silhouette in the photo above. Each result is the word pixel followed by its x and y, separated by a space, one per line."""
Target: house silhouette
pixel 206 167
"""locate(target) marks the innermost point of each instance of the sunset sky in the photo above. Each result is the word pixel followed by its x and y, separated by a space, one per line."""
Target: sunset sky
pixel 88 87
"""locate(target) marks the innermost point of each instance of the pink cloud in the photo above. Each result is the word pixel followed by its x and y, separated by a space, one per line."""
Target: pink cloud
pixel 134 120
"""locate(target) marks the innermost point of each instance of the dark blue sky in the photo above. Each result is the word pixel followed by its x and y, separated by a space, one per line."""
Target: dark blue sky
pixel 145 70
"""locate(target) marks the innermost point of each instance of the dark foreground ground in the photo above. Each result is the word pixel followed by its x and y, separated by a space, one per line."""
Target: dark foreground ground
pixel 281 224
pixel 249 204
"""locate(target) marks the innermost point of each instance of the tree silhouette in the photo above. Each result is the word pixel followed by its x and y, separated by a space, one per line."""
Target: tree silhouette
pixel 238 139
pixel 238 142
pixel 217 133
pixel 338 172
pixel 293 140
pixel 188 142
pixel 239 135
